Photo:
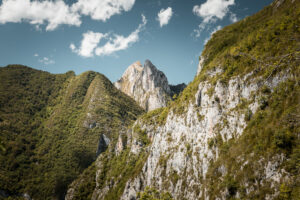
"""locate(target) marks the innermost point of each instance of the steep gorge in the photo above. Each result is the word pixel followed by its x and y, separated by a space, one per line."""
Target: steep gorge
pixel 234 131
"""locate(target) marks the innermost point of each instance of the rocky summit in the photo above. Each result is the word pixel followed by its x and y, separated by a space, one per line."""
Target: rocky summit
pixel 147 85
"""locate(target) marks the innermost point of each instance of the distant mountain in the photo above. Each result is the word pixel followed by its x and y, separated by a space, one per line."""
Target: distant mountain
pixel 147 85
pixel 177 89
pixel 53 126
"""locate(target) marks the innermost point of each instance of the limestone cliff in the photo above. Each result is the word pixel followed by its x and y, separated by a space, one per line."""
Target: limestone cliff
pixel 147 85
pixel 183 149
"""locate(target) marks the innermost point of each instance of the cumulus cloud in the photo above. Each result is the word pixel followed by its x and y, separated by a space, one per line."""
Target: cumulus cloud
pixel 164 16
pixel 201 27
pixel 211 33
pixel 102 9
pixel 233 18
pixel 210 12
pixel 114 42
pixel 88 44
pixel 46 61
pixel 119 42
pixel 55 13
pixel 212 9
pixel 72 47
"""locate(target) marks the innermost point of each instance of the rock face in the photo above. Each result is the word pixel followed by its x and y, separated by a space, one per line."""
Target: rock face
pixel 181 150
pixel 200 65
pixel 147 85
pixel 102 144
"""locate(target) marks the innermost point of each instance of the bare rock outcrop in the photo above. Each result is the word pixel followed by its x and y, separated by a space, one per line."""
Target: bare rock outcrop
pixel 145 84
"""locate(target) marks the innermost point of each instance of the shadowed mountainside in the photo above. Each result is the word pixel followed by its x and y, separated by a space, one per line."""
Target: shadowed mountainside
pixel 51 127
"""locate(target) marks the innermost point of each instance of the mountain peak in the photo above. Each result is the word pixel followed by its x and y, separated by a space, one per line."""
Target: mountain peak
pixel 149 66
pixel 148 63
pixel 147 85
pixel 136 66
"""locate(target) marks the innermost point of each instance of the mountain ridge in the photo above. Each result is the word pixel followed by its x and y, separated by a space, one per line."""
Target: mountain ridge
pixel 232 133
pixel 48 120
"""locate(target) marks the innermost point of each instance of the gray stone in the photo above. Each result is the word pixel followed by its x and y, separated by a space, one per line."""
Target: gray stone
pixel 147 85
pixel 102 144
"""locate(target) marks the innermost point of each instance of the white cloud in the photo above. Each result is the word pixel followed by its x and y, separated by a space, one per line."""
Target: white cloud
pixel 213 9
pixel 164 16
pixel 102 9
pixel 233 18
pixel 38 28
pixel 55 13
pixel 36 55
pixel 210 12
pixel 46 61
pixel 201 27
pixel 72 47
pixel 213 31
pixel 90 43
pixel 119 42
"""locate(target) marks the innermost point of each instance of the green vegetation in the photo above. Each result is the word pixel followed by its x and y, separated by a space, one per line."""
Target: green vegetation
pixel 189 150
pixel 85 188
pixel 142 134
pixel 153 194
pixel 50 126
pixel 260 43
pixel 114 171
pixel 156 117
pixel 124 167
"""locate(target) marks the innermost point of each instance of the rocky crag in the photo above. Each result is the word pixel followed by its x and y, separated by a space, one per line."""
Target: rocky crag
pixel 147 85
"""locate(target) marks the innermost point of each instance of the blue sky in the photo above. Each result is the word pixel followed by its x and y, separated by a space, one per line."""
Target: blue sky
pixel 108 35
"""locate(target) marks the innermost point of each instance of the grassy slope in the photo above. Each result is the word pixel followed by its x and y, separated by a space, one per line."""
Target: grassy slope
pixel 45 144
pixel 265 44
pixel 113 171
